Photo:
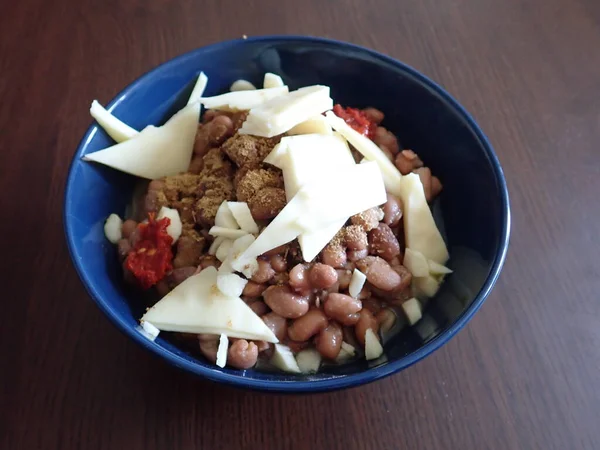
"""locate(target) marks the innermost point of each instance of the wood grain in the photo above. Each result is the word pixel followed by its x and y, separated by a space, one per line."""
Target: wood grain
pixel 522 375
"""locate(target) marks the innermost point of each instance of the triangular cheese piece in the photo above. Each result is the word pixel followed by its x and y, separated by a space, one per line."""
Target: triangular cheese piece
pixel 242 100
pixel 420 230
pixel 197 306
pixel 156 151
pixel 115 128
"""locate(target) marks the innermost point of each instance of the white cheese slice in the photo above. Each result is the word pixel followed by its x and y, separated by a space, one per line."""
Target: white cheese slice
pixel 412 309
pixel 243 216
pixel 224 249
pixel 226 232
pixel 231 284
pixel 420 230
pixel 199 88
pixel 116 129
pixel 224 217
pixel 222 351
pixel 157 151
pixel 112 228
pixel 309 360
pixel 373 348
pixel 311 243
pixel 215 245
pixel 242 100
pixel 416 263
pixel 283 359
pixel 369 150
pixel 425 287
pixel 277 155
pixel 272 81
pixel 314 125
pixel 152 331
pixel 239 259
pixel 175 227
pixel 437 269
pixel 283 113
pixel 197 306
pixel 356 283
pixel 242 85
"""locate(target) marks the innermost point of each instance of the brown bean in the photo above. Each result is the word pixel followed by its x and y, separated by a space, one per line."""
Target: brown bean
pixel 156 185
pixel 179 275
pixel 209 261
pixel 308 325
pixel 262 346
pixel 322 276
pixel 209 344
pixel 366 320
pixel 436 187
pixel 267 203
pixel 392 211
pixel 379 273
pixel 259 307
pixel 364 293
pixel 387 138
pixel 189 251
pixel 407 161
pixel 383 242
pixel 299 278
pixel 329 341
pixel 368 219
pixel 162 288
pixel 405 275
pixel 373 304
pixel 196 165
pixel 356 237
pixel 212 134
pixel 342 308
pixel 264 273
pixel 357 255
pixel 277 324
pixel 278 263
pixel 286 302
pixel 123 248
pixel 128 227
pixel 374 115
pixel 295 346
pixel 334 256
pixel 344 278
pixel 242 354
pixel 253 289
pixel 386 318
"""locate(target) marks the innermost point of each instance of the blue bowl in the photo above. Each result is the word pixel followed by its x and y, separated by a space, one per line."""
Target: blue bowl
pixel 474 204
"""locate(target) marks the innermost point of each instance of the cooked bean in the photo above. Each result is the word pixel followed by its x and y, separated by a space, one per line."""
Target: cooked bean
pixel 262 346
pixel 162 288
pixel 209 261
pixel 267 203
pixel 342 308
pixel 368 219
pixel 407 161
pixel 295 346
pixel 259 307
pixel 277 324
pixel 387 138
pixel 128 227
pixel 373 304
pixel 242 354
pixel 196 164
pixel 280 278
pixel 123 248
pixel 212 134
pixel 322 276
pixel 153 201
pixel 392 211
pixel 366 320
pixel 209 344
pixel 344 278
pixel 356 237
pixel 357 255
pixel 179 275
pixel 386 318
pixel 278 263
pixel 156 185
pixel 374 115
pixel 189 251
pixel 308 325
pixel 364 293
pixel 329 341
pixel 383 243
pixel 299 278
pixel 253 289
pixel 379 273
pixel 436 187
pixel 286 302
pixel 264 273
pixel 334 256
pixel 405 275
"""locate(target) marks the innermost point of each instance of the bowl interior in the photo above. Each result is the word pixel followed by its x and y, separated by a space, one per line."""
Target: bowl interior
pixel 473 205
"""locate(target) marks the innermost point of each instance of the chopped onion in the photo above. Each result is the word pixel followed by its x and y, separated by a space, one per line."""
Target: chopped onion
pixel 112 228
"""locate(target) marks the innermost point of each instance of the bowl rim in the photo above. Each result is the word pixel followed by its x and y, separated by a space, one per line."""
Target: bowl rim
pixel 300 386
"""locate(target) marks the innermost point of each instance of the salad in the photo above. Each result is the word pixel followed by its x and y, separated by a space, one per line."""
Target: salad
pixel 275 228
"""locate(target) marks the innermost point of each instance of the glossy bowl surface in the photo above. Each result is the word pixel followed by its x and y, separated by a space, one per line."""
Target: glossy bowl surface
pixel 474 204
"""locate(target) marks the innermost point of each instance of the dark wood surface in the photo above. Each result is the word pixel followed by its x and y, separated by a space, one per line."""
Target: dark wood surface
pixel 524 374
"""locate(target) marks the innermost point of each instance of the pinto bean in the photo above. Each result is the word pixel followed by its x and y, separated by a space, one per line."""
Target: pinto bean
pixel 383 243
pixel 212 134
pixel 189 251
pixel 253 289
pixel 386 318
pixel 285 302
pixel 308 325
pixel 329 341
pixel 373 304
pixel 386 138
pixel 357 255
pixel 128 227
pixel 209 344
pixel 407 161
pixel 179 275
pixel 242 354
pixel 322 276
pixel 374 115
pixel 278 263
pixel 379 273
pixel 299 278
pixel 259 307
pixel 342 308
pixel 344 278
pixel 366 320
pixel 264 273
pixel 277 324
pixel 334 256
pixel 392 211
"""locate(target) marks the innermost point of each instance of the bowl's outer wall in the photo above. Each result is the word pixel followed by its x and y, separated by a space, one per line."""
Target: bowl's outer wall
pixel 474 203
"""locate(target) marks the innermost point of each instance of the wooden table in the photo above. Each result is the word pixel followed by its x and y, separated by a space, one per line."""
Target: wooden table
pixel 524 374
